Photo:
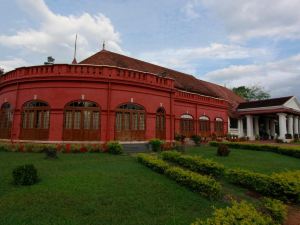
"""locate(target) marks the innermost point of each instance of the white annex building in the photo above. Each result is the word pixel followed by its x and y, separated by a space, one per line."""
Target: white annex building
pixel 276 118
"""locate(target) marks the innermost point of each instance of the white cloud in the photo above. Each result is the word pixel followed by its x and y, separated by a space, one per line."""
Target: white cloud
pixel 11 64
pixel 280 77
pixel 56 33
pixel 186 59
pixel 190 9
pixel 256 18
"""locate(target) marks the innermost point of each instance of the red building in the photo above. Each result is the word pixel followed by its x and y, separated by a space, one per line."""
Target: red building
pixel 109 96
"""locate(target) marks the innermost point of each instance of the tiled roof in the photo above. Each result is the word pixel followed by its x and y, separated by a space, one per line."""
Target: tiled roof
pixel 264 103
pixel 182 81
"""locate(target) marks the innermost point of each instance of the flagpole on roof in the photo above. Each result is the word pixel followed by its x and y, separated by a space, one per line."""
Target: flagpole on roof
pixel 75 51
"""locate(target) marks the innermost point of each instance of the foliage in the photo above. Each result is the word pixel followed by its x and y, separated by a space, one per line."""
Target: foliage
pixel 114 147
pixel 1 71
pixel 153 162
pixel 242 213
pixel 204 185
pixel 223 150
pixel 156 144
pixel 284 186
pixel 51 152
pixel 194 163
pixel 25 175
pixel 290 151
pixel 275 209
pixel 251 93
pixel 179 137
pixel 196 139
pixel 288 136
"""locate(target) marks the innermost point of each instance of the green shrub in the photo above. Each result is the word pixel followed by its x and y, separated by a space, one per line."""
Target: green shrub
pixel 94 148
pixel 223 150
pixel 156 144
pixel 275 209
pixel 194 163
pixel 284 186
pixel 293 151
pixel 50 152
pixel 153 162
pixel 204 185
pixel 25 175
pixel 4 147
pixel 242 213
pixel 196 139
pixel 114 147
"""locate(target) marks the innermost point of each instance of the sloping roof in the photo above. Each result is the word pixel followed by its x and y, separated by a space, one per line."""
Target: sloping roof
pixel 264 103
pixel 182 81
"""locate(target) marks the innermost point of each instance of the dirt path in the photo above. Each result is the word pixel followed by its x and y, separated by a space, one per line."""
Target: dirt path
pixel 293 216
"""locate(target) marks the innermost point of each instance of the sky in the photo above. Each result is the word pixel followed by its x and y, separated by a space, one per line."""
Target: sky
pixel 229 42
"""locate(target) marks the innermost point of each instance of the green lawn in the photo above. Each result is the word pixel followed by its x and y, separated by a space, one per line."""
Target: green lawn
pixel 263 162
pixel 95 189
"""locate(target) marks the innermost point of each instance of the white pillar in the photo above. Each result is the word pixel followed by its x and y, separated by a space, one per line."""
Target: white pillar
pixel 282 125
pixel 256 126
pixel 267 123
pixel 272 128
pixel 290 125
pixel 241 127
pixel 250 127
pixel 296 125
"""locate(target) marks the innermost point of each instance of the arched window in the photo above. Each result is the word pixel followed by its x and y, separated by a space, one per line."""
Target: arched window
pixel 81 121
pixel 219 127
pixel 130 122
pixel 186 125
pixel 161 123
pixel 35 120
pixel 204 126
pixel 5 121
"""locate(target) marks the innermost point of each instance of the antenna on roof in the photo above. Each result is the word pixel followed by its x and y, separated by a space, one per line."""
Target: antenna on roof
pixel 103 45
pixel 75 51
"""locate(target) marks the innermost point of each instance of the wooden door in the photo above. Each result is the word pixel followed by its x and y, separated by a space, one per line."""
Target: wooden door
pixel 5 121
pixel 35 121
pixel 187 127
pixel 81 121
pixel 130 123
pixel 161 124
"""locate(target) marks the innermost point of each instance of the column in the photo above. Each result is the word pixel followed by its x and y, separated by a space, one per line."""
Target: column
pixel 250 127
pixel 241 127
pixel 291 125
pixel 296 125
pixel 272 128
pixel 267 123
pixel 256 126
pixel 282 125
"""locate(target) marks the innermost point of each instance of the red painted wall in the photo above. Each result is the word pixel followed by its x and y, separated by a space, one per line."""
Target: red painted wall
pixel 108 87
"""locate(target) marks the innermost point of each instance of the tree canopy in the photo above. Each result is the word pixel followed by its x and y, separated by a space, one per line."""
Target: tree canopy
pixel 251 93
pixel 1 71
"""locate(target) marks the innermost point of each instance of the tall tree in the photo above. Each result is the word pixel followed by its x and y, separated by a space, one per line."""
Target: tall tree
pixel 1 71
pixel 251 93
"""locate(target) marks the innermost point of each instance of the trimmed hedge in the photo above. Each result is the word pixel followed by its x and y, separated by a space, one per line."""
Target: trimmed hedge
pixel 275 209
pixel 284 186
pixel 195 163
pixel 204 185
pixel 290 151
pixel 25 175
pixel 239 213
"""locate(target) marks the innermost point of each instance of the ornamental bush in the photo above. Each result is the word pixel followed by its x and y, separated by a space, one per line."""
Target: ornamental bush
pixel 114 147
pixel 204 185
pixel 196 139
pixel 153 162
pixel 50 152
pixel 290 151
pixel 242 213
pixel 194 163
pixel 156 144
pixel 25 175
pixel 284 186
pixel 223 150
pixel 275 209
